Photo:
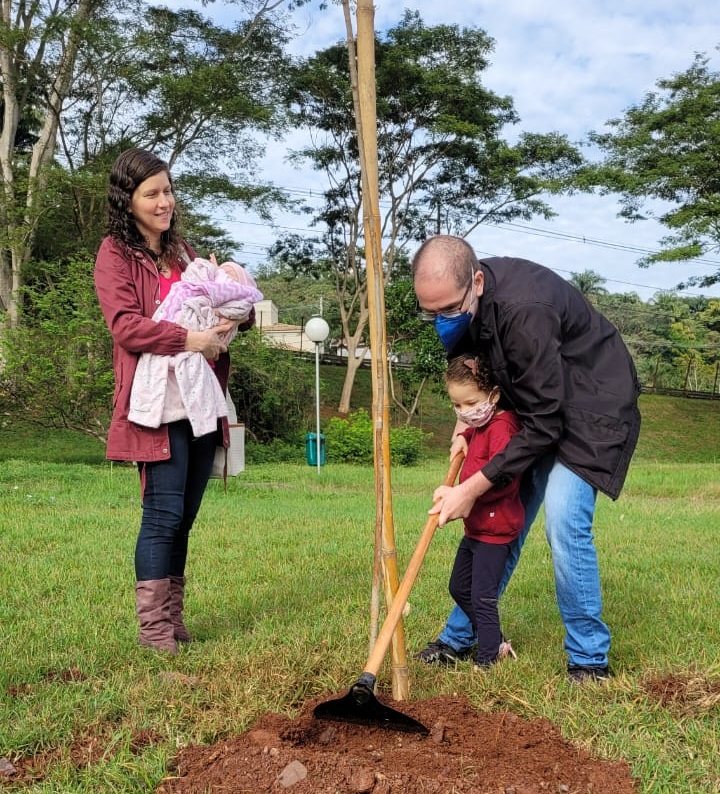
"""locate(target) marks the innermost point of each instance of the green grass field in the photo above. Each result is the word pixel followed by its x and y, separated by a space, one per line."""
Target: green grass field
pixel 279 594
pixel 674 429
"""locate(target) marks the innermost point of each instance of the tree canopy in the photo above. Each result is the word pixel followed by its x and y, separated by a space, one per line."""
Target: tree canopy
pixel 662 158
pixel 84 80
pixel 443 162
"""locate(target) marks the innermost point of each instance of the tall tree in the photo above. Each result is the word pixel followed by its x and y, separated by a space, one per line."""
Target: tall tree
pixel 194 91
pixel 416 356
pixel 39 47
pixel 443 164
pixel 589 283
pixel 664 153
pixel 300 289
pixel 88 78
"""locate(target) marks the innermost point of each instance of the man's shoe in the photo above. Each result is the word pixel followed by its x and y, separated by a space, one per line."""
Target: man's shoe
pixel 438 653
pixel 584 674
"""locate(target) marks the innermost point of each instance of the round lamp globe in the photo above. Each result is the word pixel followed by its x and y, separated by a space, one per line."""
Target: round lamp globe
pixel 317 329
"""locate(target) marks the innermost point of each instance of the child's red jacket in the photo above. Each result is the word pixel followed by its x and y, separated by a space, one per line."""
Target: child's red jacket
pixel 498 515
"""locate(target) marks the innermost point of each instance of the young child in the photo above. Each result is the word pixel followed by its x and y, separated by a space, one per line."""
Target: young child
pixel 496 517
pixel 169 388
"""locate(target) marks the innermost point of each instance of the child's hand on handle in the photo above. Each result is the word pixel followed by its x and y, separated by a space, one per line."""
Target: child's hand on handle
pixel 459 445
pixel 451 503
pixel 446 505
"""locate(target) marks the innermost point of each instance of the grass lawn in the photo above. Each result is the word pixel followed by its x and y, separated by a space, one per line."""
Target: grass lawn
pixel 279 593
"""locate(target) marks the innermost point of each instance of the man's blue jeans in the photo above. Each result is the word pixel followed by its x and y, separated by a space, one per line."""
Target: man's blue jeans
pixel 569 509
pixel 172 495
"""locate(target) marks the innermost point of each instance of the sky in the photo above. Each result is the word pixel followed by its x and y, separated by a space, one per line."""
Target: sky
pixel 569 67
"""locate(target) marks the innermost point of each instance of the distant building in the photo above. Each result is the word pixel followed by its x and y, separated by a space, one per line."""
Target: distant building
pixel 362 351
pixel 293 337
pixel 289 337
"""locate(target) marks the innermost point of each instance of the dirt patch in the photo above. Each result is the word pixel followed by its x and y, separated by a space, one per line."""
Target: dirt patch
pixel 63 676
pixel 94 745
pixel 465 751
pixel 689 693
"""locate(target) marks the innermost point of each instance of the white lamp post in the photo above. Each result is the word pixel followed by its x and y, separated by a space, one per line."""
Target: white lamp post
pixel 317 331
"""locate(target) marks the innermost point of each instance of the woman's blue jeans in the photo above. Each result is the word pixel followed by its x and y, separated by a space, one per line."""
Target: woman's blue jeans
pixel 569 510
pixel 172 495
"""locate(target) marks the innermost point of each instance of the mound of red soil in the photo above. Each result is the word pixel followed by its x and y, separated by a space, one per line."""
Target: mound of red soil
pixel 465 751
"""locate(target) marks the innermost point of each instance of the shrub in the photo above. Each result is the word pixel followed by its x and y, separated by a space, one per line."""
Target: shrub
pixel 351 440
pixel 57 369
pixel 406 444
pixel 275 451
pixel 270 388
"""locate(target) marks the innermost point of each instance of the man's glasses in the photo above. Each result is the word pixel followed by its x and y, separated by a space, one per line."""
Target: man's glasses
pixel 430 317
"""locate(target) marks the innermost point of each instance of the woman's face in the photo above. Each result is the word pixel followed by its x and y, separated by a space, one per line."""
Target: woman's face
pixel 152 206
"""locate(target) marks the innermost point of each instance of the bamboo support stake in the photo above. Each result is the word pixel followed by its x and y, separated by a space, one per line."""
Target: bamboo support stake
pixel 378 344
pixel 377 548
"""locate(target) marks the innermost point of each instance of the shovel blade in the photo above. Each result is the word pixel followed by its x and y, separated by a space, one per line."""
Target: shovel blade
pixel 361 706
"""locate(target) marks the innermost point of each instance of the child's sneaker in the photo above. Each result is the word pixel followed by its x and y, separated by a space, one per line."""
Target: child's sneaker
pixel 506 650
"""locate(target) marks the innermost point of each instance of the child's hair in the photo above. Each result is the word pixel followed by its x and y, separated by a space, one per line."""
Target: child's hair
pixel 475 370
pixel 469 369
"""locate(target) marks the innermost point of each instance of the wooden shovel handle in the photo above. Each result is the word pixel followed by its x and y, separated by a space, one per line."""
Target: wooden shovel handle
pixel 403 592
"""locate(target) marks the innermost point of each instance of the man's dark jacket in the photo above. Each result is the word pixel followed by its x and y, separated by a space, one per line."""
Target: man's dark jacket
pixel 564 368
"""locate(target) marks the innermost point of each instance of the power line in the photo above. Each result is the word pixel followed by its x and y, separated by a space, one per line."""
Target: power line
pixel 525 229
pixel 261 253
pixel 599 243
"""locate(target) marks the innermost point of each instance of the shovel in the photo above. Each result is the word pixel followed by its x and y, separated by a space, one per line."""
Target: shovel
pixel 360 704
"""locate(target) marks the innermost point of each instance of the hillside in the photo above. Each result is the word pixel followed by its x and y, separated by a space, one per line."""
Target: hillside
pixel 673 428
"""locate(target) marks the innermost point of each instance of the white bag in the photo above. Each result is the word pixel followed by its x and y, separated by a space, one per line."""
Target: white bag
pixel 231 461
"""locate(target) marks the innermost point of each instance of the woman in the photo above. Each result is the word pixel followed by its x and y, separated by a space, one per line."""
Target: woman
pixel 138 261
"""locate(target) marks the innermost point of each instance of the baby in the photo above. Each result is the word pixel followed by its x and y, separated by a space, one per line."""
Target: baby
pixel 184 386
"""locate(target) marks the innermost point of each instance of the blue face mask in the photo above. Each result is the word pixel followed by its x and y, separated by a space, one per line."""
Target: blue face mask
pixel 452 329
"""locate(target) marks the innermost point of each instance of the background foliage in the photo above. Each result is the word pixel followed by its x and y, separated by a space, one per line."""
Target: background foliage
pixel 351 440
pixel 82 81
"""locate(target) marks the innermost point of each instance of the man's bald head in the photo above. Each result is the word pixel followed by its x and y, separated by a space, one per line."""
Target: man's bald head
pixel 442 257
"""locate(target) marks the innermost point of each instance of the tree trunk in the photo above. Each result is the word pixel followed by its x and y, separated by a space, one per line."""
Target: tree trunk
pixel 19 232
pixel 411 410
pixel 11 117
pixel 353 365
pixel 352 342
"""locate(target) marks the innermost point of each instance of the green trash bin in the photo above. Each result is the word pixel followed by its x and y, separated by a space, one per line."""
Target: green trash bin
pixel 311 449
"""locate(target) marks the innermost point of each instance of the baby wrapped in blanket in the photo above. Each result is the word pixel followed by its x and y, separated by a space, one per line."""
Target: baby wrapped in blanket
pixel 184 386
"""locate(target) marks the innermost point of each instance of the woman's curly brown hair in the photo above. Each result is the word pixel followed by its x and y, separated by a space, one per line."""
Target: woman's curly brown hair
pixel 129 170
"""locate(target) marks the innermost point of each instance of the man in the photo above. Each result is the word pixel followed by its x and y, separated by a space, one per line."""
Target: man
pixel 567 373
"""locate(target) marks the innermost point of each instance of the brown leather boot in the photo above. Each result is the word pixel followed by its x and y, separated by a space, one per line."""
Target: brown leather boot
pixel 152 601
pixel 177 597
